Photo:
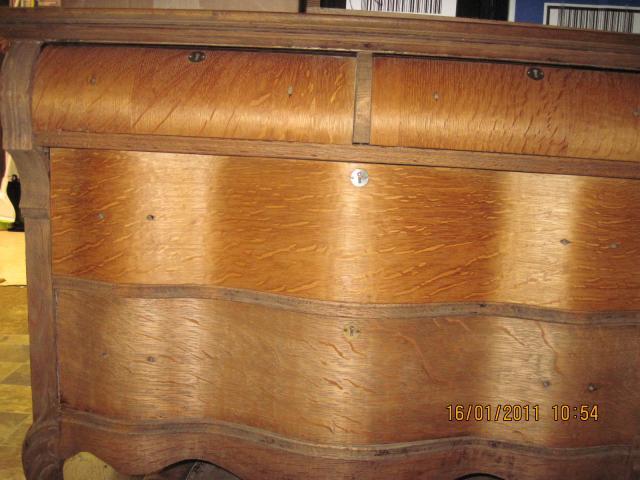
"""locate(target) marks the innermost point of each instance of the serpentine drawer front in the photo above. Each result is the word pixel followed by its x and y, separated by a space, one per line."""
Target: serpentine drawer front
pixel 298 256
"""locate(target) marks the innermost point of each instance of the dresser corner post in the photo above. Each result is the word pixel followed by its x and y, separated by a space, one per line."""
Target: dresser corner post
pixel 40 451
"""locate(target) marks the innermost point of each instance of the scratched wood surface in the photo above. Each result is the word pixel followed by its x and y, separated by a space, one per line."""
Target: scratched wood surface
pixel 330 380
pixel 497 108
pixel 231 94
pixel 300 228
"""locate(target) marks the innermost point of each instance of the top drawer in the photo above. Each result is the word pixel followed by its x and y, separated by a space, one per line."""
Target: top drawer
pixel 227 94
pixel 461 105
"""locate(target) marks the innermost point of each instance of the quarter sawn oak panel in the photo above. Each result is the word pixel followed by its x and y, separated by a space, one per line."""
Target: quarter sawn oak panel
pixel 489 107
pixel 337 381
pixel 300 228
pixel 231 94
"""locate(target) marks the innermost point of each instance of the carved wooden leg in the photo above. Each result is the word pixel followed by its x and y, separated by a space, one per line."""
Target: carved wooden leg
pixel 40 458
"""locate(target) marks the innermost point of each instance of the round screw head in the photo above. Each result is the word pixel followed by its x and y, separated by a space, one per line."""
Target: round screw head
pixel 359 177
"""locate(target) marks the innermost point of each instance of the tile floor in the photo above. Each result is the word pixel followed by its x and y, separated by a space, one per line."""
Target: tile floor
pixel 15 392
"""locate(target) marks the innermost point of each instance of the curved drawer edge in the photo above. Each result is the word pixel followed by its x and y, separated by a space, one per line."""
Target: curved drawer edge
pixel 142 447
pixel 349 309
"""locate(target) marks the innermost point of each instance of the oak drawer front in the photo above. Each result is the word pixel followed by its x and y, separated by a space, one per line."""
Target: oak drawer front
pixel 202 93
pixel 374 378
pixel 493 107
pixel 301 228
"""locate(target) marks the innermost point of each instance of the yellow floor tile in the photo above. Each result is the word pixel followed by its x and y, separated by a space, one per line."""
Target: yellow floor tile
pixel 7 368
pixel 12 474
pixel 10 423
pixel 15 399
pixel 10 457
pixel 20 376
pixel 14 353
pixel 13 311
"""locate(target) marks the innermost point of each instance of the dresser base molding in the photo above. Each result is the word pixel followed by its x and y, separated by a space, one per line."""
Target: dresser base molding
pixel 143 447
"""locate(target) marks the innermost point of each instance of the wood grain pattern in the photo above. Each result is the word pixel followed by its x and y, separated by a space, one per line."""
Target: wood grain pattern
pixel 40 449
pixel 232 94
pixel 432 36
pixel 362 117
pixel 498 108
pixel 254 456
pixel 345 153
pixel 381 381
pixel 15 106
pixel 560 242
pixel 351 310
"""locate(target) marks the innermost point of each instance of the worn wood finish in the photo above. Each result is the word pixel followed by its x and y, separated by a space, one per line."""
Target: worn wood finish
pixel 560 242
pixel 342 381
pixel 433 36
pixel 260 456
pixel 497 107
pixel 15 108
pixel 345 153
pixel 250 95
pixel 362 117
pixel 352 310
pixel 40 450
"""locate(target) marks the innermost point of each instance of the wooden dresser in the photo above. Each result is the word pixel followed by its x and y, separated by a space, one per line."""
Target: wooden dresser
pixel 328 246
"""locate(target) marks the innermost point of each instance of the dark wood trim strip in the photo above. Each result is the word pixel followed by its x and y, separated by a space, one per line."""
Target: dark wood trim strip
pixel 350 452
pixel 362 113
pixel 349 310
pixel 15 111
pixel 343 153
pixel 441 37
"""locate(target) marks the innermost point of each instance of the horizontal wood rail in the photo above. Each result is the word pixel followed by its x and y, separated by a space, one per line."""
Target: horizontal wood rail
pixel 344 153
pixel 382 34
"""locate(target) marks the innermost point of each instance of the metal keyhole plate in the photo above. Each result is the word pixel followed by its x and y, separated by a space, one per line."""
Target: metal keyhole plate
pixel 359 177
